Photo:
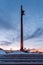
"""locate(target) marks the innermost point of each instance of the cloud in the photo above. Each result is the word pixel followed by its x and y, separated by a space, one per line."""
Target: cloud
pixel 36 34
pixel 5 24
pixel 39 40
pixel 8 37
pixel 7 21
pixel 5 43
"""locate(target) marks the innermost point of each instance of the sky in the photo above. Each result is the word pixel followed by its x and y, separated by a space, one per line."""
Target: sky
pixel 10 24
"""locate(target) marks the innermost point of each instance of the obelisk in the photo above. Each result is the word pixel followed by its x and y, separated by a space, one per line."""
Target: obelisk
pixel 21 43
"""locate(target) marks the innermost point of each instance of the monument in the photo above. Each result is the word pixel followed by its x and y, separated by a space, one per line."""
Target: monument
pixel 21 43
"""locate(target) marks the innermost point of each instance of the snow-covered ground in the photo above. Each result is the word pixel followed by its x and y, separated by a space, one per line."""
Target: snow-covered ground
pixel 18 52
pixel 2 52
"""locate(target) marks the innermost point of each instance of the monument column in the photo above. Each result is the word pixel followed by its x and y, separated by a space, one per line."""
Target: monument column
pixel 22 13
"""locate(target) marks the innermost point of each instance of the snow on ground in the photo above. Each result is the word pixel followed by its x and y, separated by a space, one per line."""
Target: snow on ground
pixel 17 52
pixel 2 52
pixel 20 52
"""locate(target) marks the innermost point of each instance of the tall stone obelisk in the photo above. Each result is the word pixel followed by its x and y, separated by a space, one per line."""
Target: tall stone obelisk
pixel 21 44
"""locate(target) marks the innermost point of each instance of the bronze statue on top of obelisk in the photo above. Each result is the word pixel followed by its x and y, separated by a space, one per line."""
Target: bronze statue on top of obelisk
pixel 22 13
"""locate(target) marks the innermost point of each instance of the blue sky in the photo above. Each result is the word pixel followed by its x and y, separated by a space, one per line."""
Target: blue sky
pixel 10 24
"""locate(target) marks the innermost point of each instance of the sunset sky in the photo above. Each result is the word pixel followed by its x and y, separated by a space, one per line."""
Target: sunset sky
pixel 10 24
